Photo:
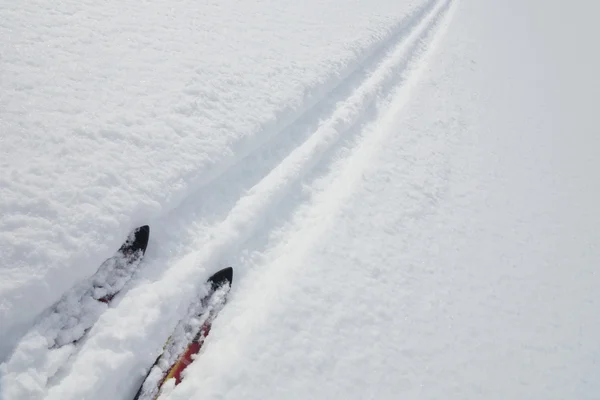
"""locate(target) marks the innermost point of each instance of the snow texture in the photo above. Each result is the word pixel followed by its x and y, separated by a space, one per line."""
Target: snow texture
pixel 407 191
pixel 114 113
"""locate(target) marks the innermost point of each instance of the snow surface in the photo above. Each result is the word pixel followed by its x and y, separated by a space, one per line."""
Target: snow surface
pixel 115 113
pixel 407 192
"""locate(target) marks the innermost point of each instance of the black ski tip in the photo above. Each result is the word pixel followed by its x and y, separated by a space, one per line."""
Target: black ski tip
pixel 141 236
pixel 223 277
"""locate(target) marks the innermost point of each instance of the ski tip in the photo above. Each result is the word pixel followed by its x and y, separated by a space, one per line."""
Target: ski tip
pixel 141 235
pixel 143 232
pixel 223 277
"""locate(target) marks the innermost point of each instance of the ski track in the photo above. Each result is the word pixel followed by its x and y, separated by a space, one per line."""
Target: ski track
pixel 232 213
pixel 215 195
pixel 303 230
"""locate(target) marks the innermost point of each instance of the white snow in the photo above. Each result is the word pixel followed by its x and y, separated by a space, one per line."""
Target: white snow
pixel 115 113
pixel 407 191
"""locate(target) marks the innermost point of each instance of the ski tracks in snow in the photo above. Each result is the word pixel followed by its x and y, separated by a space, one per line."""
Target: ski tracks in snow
pixel 236 211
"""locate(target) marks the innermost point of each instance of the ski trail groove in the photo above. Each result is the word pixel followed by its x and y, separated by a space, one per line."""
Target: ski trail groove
pixel 313 157
pixel 306 227
pixel 190 222
pixel 245 216
pixel 321 95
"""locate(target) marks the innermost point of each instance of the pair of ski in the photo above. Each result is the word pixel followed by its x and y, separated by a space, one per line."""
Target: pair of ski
pixel 172 361
pixel 65 326
pixel 181 348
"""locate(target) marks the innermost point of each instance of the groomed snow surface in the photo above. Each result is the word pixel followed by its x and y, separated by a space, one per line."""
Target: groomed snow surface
pixel 407 191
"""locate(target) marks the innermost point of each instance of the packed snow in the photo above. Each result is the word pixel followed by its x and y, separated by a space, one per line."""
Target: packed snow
pixel 407 192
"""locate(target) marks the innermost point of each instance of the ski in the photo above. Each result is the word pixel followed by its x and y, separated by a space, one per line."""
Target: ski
pixel 56 337
pixel 108 281
pixel 188 338
pixel 125 262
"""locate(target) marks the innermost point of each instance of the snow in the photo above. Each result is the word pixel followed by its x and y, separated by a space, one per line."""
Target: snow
pixel 113 114
pixel 407 192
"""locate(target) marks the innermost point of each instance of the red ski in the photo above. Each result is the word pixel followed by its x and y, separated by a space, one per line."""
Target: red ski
pixel 170 365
